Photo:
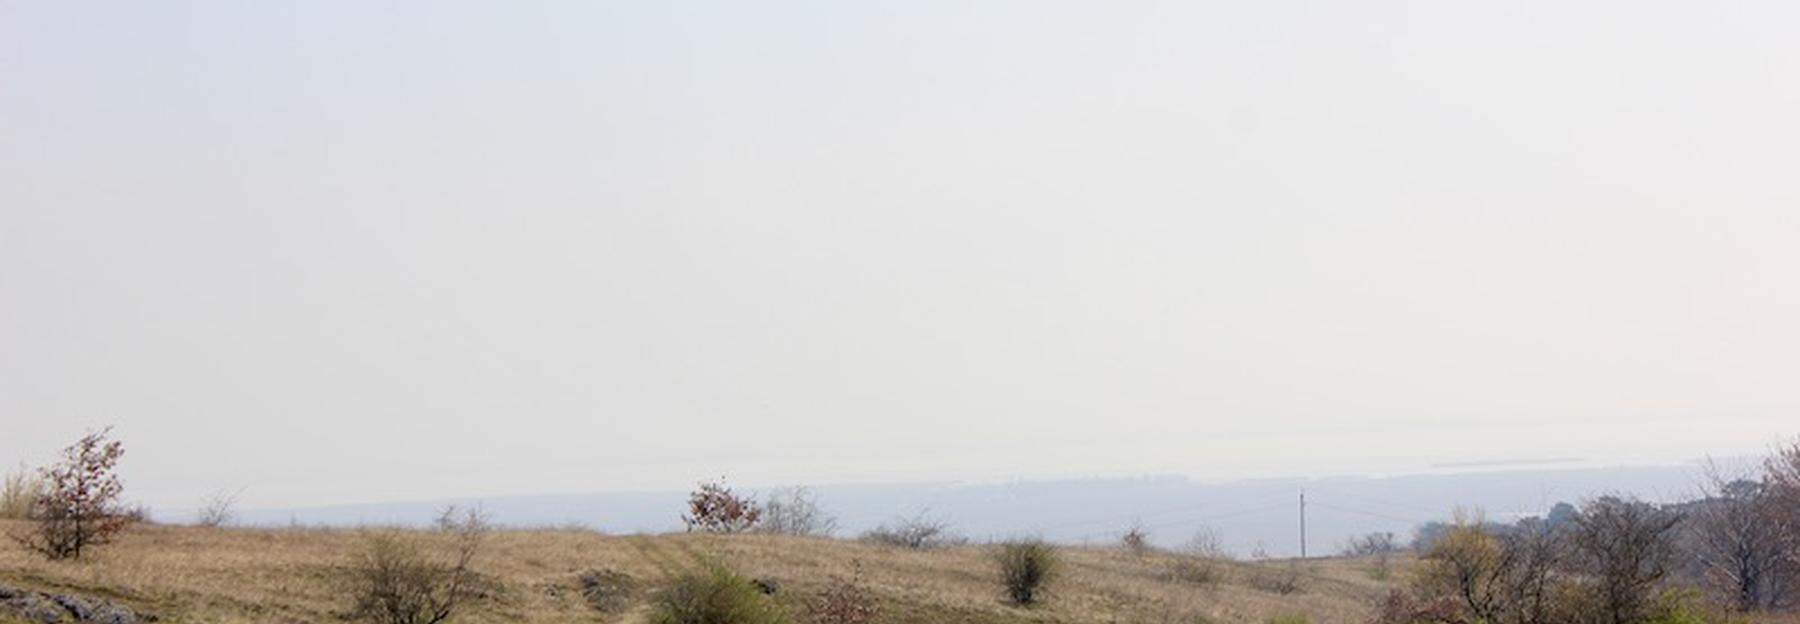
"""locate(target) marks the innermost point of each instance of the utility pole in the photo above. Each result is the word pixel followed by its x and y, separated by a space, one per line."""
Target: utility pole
pixel 1302 523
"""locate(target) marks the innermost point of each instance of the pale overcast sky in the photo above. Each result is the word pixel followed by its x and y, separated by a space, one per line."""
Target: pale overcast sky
pixel 354 251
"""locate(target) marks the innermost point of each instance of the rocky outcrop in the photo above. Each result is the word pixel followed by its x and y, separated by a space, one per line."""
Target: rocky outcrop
pixel 61 608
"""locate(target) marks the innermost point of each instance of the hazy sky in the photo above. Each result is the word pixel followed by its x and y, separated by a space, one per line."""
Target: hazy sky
pixel 352 251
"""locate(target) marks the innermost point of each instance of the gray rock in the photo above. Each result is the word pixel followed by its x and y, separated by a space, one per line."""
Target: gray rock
pixel 60 608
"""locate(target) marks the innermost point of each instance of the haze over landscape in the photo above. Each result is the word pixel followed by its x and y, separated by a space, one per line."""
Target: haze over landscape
pixel 997 312
pixel 479 250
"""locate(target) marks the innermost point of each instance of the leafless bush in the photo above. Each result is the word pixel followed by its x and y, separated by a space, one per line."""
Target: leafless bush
pixel 1026 566
pixel 714 508
pixel 218 510
pixel 918 532
pixel 403 579
pixel 846 600
pixel 1206 543
pixel 1201 560
pixel 1626 548
pixel 795 511
pixel 78 506
pixel 18 492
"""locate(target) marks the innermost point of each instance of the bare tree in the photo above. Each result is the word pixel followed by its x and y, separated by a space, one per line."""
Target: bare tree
pixel 1737 535
pixel 1782 479
pixel 1626 547
pixel 78 507
pixel 1534 553
pixel 795 511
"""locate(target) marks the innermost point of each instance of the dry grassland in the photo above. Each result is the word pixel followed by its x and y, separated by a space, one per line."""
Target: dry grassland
pixel 266 576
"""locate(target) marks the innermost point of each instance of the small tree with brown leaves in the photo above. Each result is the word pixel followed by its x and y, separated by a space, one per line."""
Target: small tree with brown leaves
pixel 78 507
pixel 714 508
pixel 1136 540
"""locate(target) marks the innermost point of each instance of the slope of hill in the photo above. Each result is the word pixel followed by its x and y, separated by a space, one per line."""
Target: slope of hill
pixel 186 574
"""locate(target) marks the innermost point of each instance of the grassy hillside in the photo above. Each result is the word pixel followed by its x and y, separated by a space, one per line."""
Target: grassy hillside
pixel 186 574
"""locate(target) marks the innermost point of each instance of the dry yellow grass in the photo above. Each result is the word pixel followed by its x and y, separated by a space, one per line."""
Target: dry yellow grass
pixel 188 574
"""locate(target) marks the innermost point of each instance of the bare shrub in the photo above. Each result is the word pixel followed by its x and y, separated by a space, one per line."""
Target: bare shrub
pixel 20 490
pixel 714 508
pixel 1206 543
pixel 918 532
pixel 400 578
pixel 715 595
pixel 845 600
pixel 1026 566
pixel 1626 547
pixel 219 509
pixel 78 506
pixel 795 511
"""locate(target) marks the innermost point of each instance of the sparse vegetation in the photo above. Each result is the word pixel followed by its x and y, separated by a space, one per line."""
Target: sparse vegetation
pixel 1026 566
pixel 77 506
pixel 716 595
pixel 403 578
pixel 714 508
